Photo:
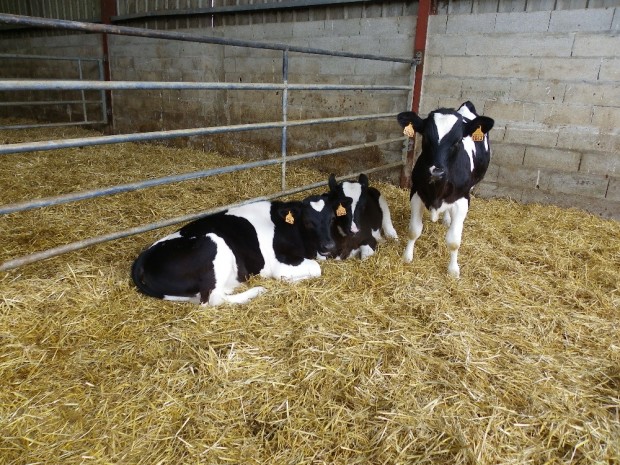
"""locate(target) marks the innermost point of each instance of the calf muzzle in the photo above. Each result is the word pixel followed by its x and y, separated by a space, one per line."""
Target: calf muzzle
pixel 436 175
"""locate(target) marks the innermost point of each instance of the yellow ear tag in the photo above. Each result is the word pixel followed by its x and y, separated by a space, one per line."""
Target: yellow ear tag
pixel 478 135
pixel 409 131
pixel 341 211
pixel 289 218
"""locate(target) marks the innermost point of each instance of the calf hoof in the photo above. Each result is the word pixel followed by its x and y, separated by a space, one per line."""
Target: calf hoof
pixel 454 271
pixel 408 253
pixel 366 251
pixel 256 291
pixel 391 233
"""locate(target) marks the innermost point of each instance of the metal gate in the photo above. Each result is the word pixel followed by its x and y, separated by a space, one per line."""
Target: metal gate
pixel 284 87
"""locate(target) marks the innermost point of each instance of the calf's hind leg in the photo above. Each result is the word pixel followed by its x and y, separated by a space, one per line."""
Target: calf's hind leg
pixel 458 214
pixel 415 226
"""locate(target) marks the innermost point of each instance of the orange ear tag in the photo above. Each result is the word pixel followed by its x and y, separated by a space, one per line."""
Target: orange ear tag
pixel 478 135
pixel 289 218
pixel 409 131
pixel 341 211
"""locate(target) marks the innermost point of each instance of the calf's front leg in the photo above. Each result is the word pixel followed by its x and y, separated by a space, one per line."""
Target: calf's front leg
pixel 305 270
pixel 415 226
pixel 458 214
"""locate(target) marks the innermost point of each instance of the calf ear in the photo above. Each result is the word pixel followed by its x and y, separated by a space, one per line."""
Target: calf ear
pixel 343 204
pixel 470 106
pixel 483 122
pixel 289 215
pixel 363 180
pixel 409 117
pixel 332 183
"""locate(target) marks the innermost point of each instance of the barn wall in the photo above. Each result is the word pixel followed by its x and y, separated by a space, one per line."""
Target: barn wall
pixel 72 45
pixel 383 31
pixel 546 70
pixel 550 80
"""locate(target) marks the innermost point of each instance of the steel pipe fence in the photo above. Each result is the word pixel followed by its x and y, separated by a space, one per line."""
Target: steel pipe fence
pixel 83 102
pixel 285 87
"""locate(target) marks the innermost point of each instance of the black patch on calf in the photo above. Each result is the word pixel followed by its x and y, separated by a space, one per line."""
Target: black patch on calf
pixel 239 235
pixel 442 172
pixel 308 235
pixel 367 215
pixel 181 267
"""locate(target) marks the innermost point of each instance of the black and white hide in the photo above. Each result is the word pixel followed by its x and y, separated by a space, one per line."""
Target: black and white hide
pixel 455 157
pixel 357 232
pixel 207 259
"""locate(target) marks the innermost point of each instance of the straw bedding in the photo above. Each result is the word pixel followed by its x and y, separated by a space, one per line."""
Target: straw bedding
pixel 376 362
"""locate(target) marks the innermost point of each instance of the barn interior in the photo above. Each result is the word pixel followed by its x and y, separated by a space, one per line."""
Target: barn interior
pixel 376 361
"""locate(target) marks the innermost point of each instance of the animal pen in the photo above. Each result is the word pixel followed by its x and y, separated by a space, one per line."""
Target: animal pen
pixel 373 362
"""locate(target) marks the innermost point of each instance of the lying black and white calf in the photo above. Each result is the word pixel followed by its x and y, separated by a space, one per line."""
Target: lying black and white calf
pixel 206 260
pixel 357 233
pixel 455 157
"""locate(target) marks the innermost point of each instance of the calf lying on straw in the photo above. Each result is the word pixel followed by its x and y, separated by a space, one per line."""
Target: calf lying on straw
pixel 207 259
pixel 357 233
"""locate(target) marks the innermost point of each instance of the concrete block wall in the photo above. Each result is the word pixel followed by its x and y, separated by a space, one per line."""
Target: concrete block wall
pixel 145 59
pixel 73 45
pixel 391 36
pixel 550 81
pixel 140 59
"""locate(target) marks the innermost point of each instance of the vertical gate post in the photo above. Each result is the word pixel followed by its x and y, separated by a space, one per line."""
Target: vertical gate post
pixel 284 113
pixel 419 50
pixel 108 9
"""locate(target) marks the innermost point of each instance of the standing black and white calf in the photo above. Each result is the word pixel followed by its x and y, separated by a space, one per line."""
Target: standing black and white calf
pixel 357 231
pixel 207 259
pixel 455 157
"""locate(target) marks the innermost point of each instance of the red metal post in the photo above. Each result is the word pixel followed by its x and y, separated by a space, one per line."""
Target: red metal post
pixel 419 50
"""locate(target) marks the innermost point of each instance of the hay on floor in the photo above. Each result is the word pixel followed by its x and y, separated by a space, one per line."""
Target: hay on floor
pixel 375 362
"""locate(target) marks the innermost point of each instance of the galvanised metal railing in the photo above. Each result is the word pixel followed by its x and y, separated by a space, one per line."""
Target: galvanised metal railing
pixel 78 61
pixel 284 124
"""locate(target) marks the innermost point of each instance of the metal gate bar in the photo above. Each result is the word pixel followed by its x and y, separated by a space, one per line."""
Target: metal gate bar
pixel 103 86
pixel 83 101
pixel 186 37
pixel 119 189
pixel 63 249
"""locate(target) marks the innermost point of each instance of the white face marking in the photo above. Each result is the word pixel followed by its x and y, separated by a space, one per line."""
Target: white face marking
pixel 353 190
pixel 470 147
pixel 318 205
pixel 444 123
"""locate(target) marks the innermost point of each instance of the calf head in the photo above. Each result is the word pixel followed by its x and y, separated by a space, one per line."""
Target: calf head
pixel 350 198
pixel 314 218
pixel 442 134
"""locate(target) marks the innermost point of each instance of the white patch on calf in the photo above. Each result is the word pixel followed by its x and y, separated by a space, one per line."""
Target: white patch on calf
pixel 175 298
pixel 175 235
pixel 466 113
pixel 435 212
pixel 444 124
pixel 366 251
pixel 259 215
pixel 318 205
pixel 306 269
pixel 353 190
pixel 224 267
pixel 470 148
